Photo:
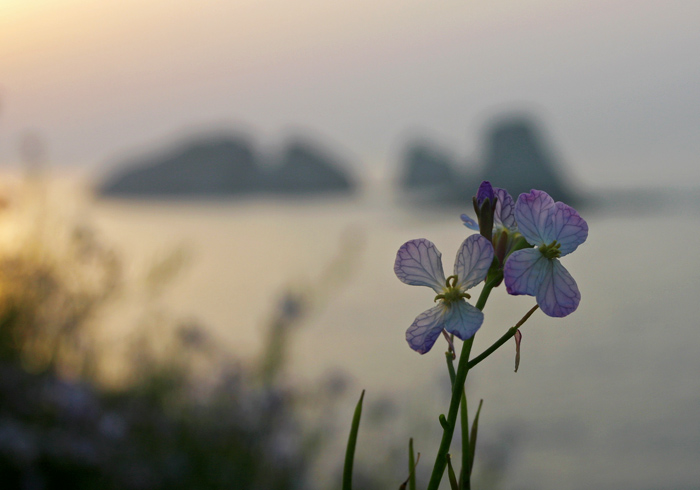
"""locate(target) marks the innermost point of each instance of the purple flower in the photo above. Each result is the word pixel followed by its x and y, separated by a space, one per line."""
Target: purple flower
pixel 503 213
pixel 504 233
pixel 419 263
pixel 555 229
pixel 485 192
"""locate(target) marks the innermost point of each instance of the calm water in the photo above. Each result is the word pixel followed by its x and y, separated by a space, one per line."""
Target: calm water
pixel 606 398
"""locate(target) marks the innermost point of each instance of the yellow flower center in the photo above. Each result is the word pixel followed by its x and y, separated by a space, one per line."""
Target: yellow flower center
pixel 451 293
pixel 551 251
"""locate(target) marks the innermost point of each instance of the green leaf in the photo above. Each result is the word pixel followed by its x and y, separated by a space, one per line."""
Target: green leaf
pixel 466 447
pixel 352 442
pixel 451 474
pixel 472 441
pixel 411 466
pixel 412 462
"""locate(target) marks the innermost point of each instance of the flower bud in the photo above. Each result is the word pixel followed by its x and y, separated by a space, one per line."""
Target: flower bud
pixel 485 192
pixel 484 207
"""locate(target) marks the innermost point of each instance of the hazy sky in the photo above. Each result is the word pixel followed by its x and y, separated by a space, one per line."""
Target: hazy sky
pixel 615 83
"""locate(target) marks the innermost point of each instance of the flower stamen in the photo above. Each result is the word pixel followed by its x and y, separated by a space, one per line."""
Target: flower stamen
pixel 453 279
pixel 551 251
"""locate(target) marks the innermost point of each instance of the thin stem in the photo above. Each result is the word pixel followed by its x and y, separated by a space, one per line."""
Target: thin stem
pixel 510 333
pixel 450 367
pixel 484 296
pixel 465 476
pixel 450 344
pixel 457 390
pixel 464 421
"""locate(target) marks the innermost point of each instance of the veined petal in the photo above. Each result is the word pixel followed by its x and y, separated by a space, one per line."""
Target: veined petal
pixel 566 227
pixel 504 214
pixel 558 293
pixel 473 261
pixel 469 223
pixel 419 263
pixel 463 319
pixel 426 328
pixel 532 213
pixel 523 271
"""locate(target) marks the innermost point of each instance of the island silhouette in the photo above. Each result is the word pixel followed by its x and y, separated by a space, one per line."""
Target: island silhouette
pixel 515 156
pixel 228 165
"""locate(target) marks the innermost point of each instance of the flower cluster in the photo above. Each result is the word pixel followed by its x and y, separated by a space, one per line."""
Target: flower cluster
pixel 519 243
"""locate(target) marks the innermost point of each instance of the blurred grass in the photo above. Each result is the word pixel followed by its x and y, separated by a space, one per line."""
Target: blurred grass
pixel 185 414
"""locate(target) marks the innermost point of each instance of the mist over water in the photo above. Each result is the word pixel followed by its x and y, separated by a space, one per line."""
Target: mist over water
pixel 607 397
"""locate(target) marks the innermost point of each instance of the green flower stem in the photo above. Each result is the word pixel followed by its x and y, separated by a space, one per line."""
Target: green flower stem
pixel 465 480
pixel 450 367
pixel 464 421
pixel 510 333
pixel 457 391
pixel 490 284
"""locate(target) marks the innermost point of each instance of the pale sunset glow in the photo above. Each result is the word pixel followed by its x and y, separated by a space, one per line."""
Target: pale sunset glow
pixel 101 78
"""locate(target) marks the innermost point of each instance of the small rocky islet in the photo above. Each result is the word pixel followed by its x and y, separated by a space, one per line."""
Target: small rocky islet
pixel 515 156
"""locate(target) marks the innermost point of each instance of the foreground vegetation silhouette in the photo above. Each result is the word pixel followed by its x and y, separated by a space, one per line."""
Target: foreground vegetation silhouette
pixel 182 414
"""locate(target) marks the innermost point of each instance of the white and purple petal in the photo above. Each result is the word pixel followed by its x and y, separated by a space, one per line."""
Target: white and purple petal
pixel 469 223
pixel 473 261
pixel 533 213
pixel 523 271
pixel 426 328
pixel 463 320
pixel 504 214
pixel 566 227
pixel 558 294
pixel 419 263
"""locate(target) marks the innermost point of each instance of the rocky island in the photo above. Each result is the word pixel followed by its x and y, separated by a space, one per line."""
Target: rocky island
pixel 515 156
pixel 227 166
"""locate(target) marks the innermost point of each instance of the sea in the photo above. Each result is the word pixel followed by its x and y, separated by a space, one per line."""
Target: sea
pixel 606 398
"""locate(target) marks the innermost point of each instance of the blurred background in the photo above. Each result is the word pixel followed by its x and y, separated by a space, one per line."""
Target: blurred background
pixel 201 203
